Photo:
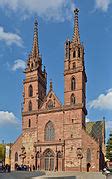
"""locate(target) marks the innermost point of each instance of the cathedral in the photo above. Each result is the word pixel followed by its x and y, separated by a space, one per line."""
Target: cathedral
pixel 54 135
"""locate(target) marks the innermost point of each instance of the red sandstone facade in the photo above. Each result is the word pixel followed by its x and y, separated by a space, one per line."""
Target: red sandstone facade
pixel 53 135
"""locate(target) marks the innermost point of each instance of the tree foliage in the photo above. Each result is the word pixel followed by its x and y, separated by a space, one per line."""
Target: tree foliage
pixel 109 148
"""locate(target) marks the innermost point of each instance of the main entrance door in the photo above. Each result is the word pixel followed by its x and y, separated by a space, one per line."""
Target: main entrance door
pixel 49 160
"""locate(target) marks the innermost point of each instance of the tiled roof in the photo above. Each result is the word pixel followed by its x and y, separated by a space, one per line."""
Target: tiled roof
pixel 96 129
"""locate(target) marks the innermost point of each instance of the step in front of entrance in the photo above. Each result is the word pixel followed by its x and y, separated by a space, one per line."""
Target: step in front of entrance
pixel 55 177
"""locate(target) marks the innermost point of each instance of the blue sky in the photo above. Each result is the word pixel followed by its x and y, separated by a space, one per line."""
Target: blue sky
pixel 55 20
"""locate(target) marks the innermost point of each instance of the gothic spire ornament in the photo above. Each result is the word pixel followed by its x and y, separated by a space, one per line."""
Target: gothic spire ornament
pixel 35 48
pixel 51 85
pixel 76 36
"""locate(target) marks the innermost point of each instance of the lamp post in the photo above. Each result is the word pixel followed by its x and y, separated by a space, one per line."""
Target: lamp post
pixel 80 157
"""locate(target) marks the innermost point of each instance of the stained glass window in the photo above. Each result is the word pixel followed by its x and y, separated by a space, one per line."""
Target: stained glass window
pixel 49 131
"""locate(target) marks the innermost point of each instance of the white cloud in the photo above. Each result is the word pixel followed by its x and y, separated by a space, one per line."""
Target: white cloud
pixel 10 38
pixel 108 124
pixel 18 64
pixel 88 120
pixel 103 4
pixel 49 9
pixel 103 101
pixel 8 118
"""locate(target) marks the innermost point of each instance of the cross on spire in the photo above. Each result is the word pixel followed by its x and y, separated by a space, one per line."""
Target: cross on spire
pixel 35 48
pixel 76 36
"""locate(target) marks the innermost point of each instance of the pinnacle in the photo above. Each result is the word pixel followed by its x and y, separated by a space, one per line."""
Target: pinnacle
pixel 51 86
pixel 76 36
pixel 35 48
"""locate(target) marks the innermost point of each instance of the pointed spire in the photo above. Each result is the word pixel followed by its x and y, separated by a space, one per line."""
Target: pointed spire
pixel 76 36
pixel 35 48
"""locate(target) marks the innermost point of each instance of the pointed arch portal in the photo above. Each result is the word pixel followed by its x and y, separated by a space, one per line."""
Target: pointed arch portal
pixel 49 160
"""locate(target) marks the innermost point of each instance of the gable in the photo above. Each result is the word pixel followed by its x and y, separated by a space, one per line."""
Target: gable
pixel 51 101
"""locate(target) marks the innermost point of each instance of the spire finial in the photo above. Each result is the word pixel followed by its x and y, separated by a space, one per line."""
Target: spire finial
pixel 76 36
pixel 51 86
pixel 35 49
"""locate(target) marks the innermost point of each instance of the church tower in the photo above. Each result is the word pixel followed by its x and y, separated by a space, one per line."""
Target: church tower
pixel 74 72
pixel 34 83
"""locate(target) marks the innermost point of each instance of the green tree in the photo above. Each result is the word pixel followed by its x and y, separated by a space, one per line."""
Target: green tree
pixel 2 152
pixel 109 148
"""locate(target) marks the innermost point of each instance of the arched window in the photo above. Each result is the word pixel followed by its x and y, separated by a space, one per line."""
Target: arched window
pixel 88 156
pixel 49 131
pixel 36 64
pixel 50 104
pixel 74 54
pixel 30 91
pixel 28 64
pixel 48 153
pixel 16 157
pixel 73 84
pixel 29 123
pixel 30 106
pixel 79 52
pixel 73 99
pixel 32 65
pixel 74 65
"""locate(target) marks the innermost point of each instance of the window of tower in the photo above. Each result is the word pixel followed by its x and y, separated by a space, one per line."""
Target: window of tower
pixel 49 131
pixel 29 123
pixel 28 64
pixel 30 91
pixel 74 65
pixel 79 52
pixel 73 101
pixel 30 106
pixel 73 84
pixel 32 65
pixel 36 64
pixel 74 54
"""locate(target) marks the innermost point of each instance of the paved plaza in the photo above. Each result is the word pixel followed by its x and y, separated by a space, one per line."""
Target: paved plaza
pixel 109 177
pixel 28 175
pixel 20 175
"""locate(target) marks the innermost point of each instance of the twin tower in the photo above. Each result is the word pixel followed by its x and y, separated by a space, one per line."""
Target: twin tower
pixel 54 135
pixel 74 74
